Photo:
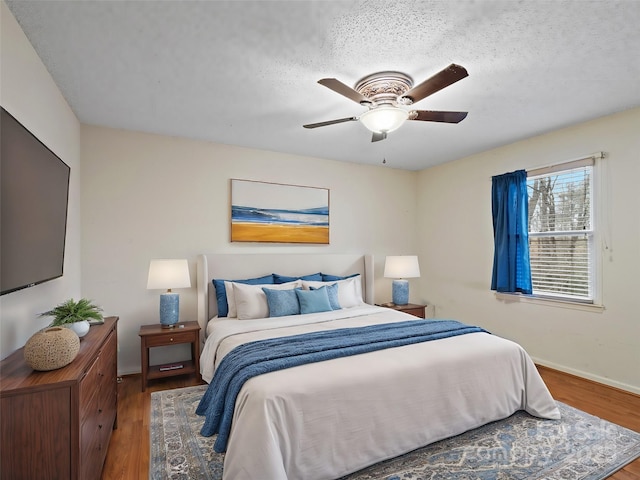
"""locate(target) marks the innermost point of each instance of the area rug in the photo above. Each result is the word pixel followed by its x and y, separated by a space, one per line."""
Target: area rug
pixel 577 447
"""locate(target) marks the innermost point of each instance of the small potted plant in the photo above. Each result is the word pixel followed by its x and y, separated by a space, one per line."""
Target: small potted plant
pixel 74 315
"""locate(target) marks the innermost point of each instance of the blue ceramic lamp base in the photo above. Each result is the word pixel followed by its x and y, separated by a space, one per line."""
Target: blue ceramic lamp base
pixel 400 292
pixel 169 309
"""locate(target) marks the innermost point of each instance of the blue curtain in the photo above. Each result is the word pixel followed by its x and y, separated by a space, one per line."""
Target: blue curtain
pixel 509 203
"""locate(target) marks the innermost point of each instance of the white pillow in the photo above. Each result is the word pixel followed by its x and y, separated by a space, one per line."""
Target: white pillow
pixel 231 299
pixel 349 290
pixel 357 280
pixel 250 300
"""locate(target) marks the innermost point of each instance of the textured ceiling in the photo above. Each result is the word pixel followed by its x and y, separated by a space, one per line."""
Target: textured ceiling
pixel 245 72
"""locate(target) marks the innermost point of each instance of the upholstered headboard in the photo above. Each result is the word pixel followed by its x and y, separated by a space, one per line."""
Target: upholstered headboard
pixel 249 265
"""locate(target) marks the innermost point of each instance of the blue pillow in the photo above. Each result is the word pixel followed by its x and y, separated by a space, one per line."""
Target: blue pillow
pixel 221 292
pixel 332 293
pixel 312 301
pixel 335 278
pixel 313 277
pixel 282 302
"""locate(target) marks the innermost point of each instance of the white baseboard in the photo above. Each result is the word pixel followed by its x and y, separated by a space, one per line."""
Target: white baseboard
pixel 589 376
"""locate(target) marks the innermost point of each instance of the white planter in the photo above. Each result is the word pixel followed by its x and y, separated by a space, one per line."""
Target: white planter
pixel 81 328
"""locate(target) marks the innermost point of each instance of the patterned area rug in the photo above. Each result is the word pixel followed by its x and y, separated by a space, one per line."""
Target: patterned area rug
pixel 579 446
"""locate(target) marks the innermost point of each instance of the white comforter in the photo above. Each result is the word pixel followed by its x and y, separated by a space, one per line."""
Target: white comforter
pixel 327 419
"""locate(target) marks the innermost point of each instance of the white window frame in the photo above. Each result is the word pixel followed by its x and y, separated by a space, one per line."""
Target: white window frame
pixel 597 192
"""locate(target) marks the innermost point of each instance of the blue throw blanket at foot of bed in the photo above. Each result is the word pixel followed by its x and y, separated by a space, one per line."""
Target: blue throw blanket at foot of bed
pixel 263 356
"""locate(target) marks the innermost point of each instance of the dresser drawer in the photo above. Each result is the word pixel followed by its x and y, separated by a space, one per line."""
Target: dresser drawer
pixel 95 435
pixel 178 337
pixel 89 387
pixel 99 416
pixel 108 363
pixel 101 371
pixel 103 401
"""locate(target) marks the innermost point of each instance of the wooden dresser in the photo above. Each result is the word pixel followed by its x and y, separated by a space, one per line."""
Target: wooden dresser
pixel 57 424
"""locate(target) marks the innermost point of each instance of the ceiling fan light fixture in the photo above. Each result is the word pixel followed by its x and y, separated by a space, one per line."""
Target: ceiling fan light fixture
pixel 385 93
pixel 384 119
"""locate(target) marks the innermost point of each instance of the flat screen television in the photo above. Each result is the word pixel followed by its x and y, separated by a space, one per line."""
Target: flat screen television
pixel 34 196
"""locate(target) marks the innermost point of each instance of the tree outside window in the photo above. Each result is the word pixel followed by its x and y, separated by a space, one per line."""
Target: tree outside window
pixel 561 233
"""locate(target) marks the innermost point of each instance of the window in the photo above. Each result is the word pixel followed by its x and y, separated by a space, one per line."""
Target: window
pixel 561 231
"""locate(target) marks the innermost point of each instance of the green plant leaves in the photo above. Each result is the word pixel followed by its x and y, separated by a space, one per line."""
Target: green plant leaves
pixel 71 311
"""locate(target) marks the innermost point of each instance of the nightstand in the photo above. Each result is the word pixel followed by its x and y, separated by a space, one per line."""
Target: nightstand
pixel 157 336
pixel 411 308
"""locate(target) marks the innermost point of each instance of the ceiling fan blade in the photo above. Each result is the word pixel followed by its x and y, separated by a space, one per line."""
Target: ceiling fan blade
pixel 378 136
pixel 330 122
pixel 339 87
pixel 440 80
pixel 437 116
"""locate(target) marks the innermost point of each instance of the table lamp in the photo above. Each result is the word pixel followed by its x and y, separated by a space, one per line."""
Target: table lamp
pixel 169 274
pixel 401 267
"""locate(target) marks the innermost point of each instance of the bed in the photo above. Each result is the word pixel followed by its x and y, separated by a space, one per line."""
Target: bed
pixel 326 419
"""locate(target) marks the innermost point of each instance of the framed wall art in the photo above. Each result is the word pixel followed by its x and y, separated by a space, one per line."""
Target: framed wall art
pixel 278 213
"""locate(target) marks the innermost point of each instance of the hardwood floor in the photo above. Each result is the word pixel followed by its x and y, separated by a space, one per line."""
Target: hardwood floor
pixel 617 406
pixel 128 455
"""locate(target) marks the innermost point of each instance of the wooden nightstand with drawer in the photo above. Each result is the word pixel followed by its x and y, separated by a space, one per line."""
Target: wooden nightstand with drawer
pixel 410 308
pixel 157 336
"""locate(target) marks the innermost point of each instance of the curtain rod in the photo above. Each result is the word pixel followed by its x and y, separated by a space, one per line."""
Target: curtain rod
pixel 594 156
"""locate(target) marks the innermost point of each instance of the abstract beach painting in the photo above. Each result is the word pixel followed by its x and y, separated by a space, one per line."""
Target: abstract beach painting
pixel 278 213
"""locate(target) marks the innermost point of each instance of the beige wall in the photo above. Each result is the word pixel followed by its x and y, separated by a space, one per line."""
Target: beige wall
pixel 28 92
pixel 150 196
pixel 456 252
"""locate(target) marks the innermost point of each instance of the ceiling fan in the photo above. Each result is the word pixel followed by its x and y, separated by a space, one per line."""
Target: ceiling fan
pixel 384 94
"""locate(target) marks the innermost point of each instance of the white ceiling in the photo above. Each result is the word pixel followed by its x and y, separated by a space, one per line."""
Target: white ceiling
pixel 245 72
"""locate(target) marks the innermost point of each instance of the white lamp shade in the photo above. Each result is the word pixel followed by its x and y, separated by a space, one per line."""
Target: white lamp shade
pixel 168 274
pixel 384 119
pixel 401 266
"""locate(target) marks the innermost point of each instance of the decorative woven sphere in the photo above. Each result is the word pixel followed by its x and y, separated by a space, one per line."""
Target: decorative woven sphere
pixel 51 348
